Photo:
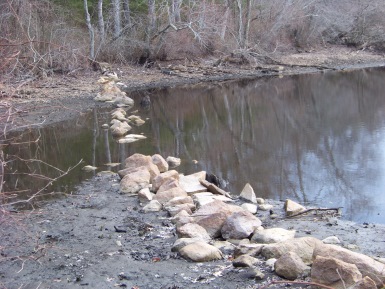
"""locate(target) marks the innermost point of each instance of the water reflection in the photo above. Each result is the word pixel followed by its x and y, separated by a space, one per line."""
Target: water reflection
pixel 318 139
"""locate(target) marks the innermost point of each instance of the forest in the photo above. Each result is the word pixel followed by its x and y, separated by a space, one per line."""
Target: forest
pixel 41 37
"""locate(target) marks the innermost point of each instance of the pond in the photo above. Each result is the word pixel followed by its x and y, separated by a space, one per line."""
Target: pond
pixel 318 139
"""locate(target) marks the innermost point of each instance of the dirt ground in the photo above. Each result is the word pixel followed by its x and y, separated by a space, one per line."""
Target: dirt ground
pixel 72 242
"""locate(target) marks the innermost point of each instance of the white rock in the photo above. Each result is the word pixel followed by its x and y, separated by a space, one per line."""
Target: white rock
pixel 191 183
pixel 160 162
pixel 192 230
pixel 248 194
pixel 293 208
pixel 273 235
pixel 331 240
pixel 265 207
pixel 144 195
pixel 270 263
pixel 152 206
pixel 252 208
pixel 173 162
pixel 200 252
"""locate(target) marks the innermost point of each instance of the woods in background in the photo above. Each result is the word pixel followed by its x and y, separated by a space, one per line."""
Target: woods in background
pixel 41 37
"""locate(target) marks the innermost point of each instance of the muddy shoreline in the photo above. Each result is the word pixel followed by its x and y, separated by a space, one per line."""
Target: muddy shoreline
pixel 71 242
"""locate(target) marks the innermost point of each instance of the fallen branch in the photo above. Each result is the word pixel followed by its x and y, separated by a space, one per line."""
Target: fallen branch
pixel 296 282
pixel 338 211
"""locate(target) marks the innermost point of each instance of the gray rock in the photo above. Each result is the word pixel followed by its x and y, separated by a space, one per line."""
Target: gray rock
pixel 182 218
pixel 265 207
pixel 290 266
pixel 152 206
pixel 240 225
pixel 173 162
pixel 225 247
pixel 273 235
pixel 248 249
pixel 335 273
pixel 174 210
pixel 200 252
pixel 254 273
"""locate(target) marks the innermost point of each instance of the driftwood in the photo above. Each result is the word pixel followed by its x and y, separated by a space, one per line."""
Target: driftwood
pixel 214 189
pixel 338 211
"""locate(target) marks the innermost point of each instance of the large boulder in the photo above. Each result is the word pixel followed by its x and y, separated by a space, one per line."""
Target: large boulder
pixel 138 160
pixel 240 225
pixel 201 199
pixel 335 273
pixel 273 235
pixel 200 252
pixel 366 265
pixel 290 266
pixel 191 184
pixel 365 283
pixel 135 181
pixel 303 247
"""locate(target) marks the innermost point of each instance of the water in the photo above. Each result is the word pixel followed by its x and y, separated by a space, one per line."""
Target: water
pixel 318 139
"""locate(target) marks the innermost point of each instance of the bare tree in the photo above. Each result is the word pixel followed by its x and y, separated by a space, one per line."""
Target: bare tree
pixel 126 13
pixel 101 19
pixel 90 29
pixel 116 17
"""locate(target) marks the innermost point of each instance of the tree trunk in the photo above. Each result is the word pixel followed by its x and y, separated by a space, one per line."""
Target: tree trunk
pixel 101 19
pixel 241 41
pixel 151 22
pixel 126 13
pixel 175 10
pixel 247 24
pixel 116 16
pixel 91 30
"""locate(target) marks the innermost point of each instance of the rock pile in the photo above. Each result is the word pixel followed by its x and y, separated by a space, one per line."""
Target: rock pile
pixel 214 226
pixel 120 126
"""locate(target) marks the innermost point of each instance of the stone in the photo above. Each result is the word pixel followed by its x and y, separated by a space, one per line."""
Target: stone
pixel 335 273
pixel 366 265
pixel 303 247
pixel 160 162
pixel 245 261
pixel 225 247
pixel 191 184
pixel 130 138
pixel 192 230
pixel 273 235
pixel 165 196
pixel 139 160
pixel 254 273
pixel 181 219
pixel 201 199
pixel 252 208
pixel 265 207
pixel 249 249
pixel 180 200
pixel 240 225
pixel 164 177
pixel 331 240
pixel 213 215
pixel 135 181
pixel 270 263
pixel 248 194
pixel 152 206
pixel 123 100
pixel 290 266
pixel 144 195
pixel 174 210
pixel 260 201
pixel 136 120
pixel 169 184
pixel 119 115
pixel 173 162
pixel 292 208
pixel 200 252
pixel 182 242
pixel 365 283
pixel 120 130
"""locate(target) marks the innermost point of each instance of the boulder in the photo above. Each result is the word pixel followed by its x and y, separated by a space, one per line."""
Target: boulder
pixel 335 273
pixel 331 240
pixel 191 184
pixel 204 198
pixel 144 195
pixel 273 235
pixel 120 129
pixel 192 230
pixel 213 215
pixel 265 207
pixel 164 177
pixel 173 162
pixel 292 208
pixel 135 181
pixel 124 100
pixel 160 162
pixel 303 247
pixel 290 266
pixel 165 196
pixel 136 120
pixel 174 210
pixel 179 201
pixel 240 225
pixel 182 242
pixel 270 263
pixel 181 218
pixel 169 184
pixel 248 194
pixel 119 115
pixel 200 252
pixel 245 261
pixel 225 247
pixel 366 265
pixel 139 160
pixel 249 249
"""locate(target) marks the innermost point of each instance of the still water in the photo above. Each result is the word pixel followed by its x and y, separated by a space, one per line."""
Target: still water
pixel 318 139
